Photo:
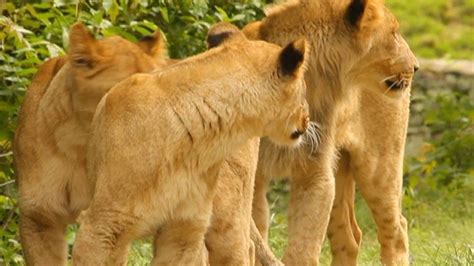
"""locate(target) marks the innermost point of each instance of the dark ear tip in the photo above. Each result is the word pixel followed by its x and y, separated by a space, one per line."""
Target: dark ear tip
pixel 221 32
pixel 355 11
pixel 292 56
pixel 148 39
pixel 216 39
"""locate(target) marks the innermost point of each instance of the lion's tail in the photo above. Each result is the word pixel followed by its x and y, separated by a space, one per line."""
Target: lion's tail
pixel 262 250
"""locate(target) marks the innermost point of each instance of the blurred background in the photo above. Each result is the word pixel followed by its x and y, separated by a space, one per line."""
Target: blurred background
pixel 439 163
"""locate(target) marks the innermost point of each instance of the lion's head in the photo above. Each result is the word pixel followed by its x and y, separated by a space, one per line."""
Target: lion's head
pixel 95 66
pixel 354 42
pixel 383 54
pixel 283 70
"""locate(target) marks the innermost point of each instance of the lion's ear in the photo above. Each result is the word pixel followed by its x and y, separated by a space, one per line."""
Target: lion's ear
pixel 364 15
pixel 154 45
pixel 222 32
pixel 252 30
pixel 82 45
pixel 292 58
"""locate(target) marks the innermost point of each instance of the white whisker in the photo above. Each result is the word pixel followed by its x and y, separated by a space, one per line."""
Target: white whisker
pixel 391 86
pixel 387 78
pixel 312 136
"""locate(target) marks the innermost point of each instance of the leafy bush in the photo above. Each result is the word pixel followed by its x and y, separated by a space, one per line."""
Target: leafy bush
pixel 446 162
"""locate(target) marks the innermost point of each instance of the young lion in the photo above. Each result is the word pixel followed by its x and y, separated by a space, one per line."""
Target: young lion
pixel 359 74
pixel 53 131
pixel 159 139
pixel 232 237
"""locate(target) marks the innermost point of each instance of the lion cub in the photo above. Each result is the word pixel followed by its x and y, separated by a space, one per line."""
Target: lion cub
pixel 159 139
pixel 53 131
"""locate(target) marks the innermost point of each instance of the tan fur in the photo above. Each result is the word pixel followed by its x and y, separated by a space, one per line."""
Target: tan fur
pixel 363 121
pixel 174 128
pixel 232 238
pixel 52 134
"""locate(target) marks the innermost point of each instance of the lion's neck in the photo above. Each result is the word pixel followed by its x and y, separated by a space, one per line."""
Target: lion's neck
pixel 328 69
pixel 57 121
pixel 214 126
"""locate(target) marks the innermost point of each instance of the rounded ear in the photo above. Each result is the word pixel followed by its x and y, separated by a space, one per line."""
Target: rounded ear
pixel 223 32
pixel 252 30
pixel 364 15
pixel 292 58
pixel 82 45
pixel 154 45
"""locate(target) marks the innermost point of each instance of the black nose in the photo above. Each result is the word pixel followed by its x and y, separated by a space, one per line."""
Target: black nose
pixel 415 68
pixel 296 134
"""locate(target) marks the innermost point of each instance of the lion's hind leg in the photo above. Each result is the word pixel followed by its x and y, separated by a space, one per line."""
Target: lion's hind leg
pixel 344 234
pixel 260 207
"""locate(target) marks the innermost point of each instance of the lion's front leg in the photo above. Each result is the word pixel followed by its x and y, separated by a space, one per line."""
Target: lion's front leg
pixel 311 199
pixel 228 238
pixel 378 171
pixel 103 237
pixel 381 186
pixel 181 242
pixel 42 238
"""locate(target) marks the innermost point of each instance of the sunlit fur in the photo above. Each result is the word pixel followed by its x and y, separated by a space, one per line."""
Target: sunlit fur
pixel 358 80
pixel 53 132
pixel 174 127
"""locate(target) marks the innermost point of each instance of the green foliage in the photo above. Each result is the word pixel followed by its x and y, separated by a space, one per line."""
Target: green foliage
pixel 446 163
pixel 437 28
pixel 10 248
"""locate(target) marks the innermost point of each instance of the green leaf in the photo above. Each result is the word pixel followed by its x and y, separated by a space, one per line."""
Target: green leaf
pixel 222 13
pixel 111 8
pixel 164 14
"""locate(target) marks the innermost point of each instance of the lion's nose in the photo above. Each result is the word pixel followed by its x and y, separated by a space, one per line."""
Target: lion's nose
pixel 297 133
pixel 415 68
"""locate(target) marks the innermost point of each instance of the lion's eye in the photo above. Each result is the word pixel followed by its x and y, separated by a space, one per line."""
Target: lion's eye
pixel 82 62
